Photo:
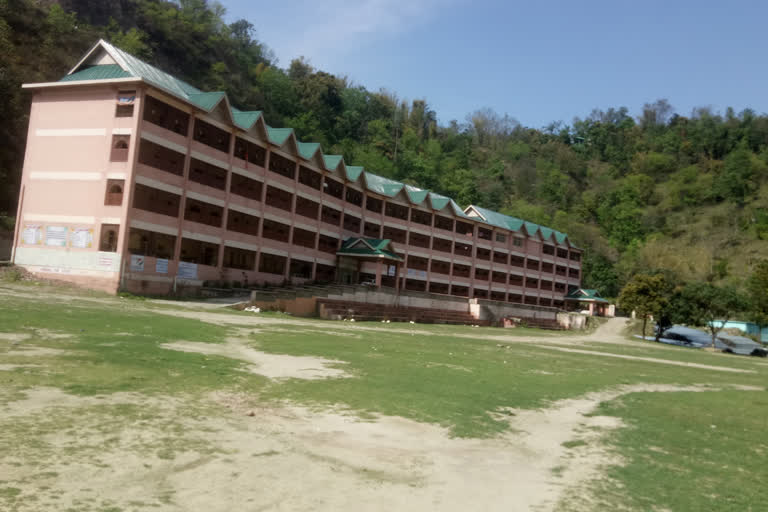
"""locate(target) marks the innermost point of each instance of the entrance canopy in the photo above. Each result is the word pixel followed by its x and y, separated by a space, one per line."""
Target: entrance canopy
pixel 369 248
pixel 585 295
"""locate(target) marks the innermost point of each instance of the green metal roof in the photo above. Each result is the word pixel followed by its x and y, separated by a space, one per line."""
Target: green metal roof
pixel 102 72
pixel 332 161
pixel 383 186
pixel 278 136
pixel 206 100
pixel 130 66
pixel 308 149
pixel 585 295
pixel 368 247
pixel 245 119
pixel 354 172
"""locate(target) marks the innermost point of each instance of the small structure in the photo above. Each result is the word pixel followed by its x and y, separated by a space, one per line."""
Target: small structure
pixel 369 261
pixel 749 328
pixel 588 300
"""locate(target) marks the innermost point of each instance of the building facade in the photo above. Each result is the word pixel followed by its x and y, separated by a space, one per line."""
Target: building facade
pixel 136 180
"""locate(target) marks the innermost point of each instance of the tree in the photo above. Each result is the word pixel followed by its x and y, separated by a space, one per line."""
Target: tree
pixel 646 295
pixel 705 304
pixel 758 293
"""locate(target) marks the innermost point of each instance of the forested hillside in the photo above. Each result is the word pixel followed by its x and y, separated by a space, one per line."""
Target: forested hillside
pixel 654 190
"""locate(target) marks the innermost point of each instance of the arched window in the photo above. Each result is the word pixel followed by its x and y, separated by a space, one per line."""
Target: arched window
pixel 114 195
pixel 108 239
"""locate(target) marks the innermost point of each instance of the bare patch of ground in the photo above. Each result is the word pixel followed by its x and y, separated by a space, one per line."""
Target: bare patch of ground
pixel 274 366
pixel 233 453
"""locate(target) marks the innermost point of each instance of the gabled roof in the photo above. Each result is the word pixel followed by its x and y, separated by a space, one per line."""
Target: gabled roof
pixel 369 247
pixel 106 62
pixel 585 295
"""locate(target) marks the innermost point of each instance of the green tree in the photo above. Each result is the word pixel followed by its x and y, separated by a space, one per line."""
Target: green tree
pixel 704 304
pixel 758 293
pixel 647 296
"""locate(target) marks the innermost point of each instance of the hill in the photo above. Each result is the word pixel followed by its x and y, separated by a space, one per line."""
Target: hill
pixel 656 191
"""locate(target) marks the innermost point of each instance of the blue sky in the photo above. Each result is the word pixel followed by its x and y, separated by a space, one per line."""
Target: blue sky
pixel 536 61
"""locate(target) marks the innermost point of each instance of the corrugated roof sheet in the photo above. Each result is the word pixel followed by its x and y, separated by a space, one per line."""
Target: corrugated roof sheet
pixel 206 100
pixel 371 247
pixel 102 72
pixel 354 172
pixel 308 149
pixel 278 136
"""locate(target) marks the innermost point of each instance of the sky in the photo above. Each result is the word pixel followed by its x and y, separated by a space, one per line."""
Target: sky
pixel 536 61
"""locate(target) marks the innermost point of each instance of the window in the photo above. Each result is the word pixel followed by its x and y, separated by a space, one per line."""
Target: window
pixel 244 186
pixel 575 256
pixel 460 270
pixel 279 198
pixel 276 231
pixel 482 274
pixel 354 197
pixel 532 264
pixel 351 223
pixel 125 101
pixel 373 205
pixel 108 237
pixel 165 116
pixel 483 254
pixel 418 240
pixel 333 188
pixel 459 291
pixel 301 269
pixel 207 174
pixel 515 298
pixel 303 238
pixel 160 157
pixel 114 195
pixel 440 267
pixel 515 280
pixel 517 242
pixel 516 261
pixel 328 244
pixel 204 213
pixel 499 296
pixel 417 263
pixel 484 234
pixel 443 223
pixel 306 208
pixel 119 151
pixel 562 253
pixel 241 259
pixel 463 228
pixel 371 230
pixel 325 273
pixel 394 234
pixel 499 257
pixel 499 277
pixel 150 243
pixel 330 216
pixel 282 166
pixel 156 201
pixel 530 282
pixel 480 294
pixel 202 253
pixel 462 249
pixel 240 222
pixel 272 264
pixel 442 245
pixel 438 288
pixel 421 217
pixel 396 211
pixel 573 273
pixel 211 136
pixel 500 237
pixel 548 249
pixel 310 178
pixel 250 152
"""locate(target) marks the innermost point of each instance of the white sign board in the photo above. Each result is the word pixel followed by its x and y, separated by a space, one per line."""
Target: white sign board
pixel 137 263
pixel 32 234
pixel 56 236
pixel 391 270
pixel 161 266
pixel 187 270
pixel 412 272
pixel 81 238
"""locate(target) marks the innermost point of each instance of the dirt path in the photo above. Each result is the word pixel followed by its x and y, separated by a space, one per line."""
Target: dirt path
pixel 255 457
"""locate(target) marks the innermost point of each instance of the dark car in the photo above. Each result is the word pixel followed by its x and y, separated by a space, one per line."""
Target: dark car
pixel 741 345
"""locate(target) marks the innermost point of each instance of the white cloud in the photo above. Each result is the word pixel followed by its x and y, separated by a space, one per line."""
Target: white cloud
pixel 328 29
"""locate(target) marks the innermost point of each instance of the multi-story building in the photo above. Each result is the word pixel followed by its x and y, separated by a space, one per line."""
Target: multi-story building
pixel 136 180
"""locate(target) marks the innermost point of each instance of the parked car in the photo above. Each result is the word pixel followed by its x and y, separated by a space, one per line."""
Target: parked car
pixel 741 345
pixel 694 338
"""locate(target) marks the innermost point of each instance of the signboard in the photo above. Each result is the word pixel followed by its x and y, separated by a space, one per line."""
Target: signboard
pixel 32 234
pixel 161 266
pixel 391 269
pixel 137 263
pixel 187 270
pixel 412 272
pixel 82 238
pixel 56 236
pixel 106 260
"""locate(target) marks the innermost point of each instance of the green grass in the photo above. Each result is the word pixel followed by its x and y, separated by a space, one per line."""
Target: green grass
pixel 689 451
pixel 458 377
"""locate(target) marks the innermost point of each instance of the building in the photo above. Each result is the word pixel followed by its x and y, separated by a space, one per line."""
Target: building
pixel 136 180
pixel 589 301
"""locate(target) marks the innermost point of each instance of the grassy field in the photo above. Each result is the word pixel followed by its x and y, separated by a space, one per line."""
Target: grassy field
pixel 673 450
